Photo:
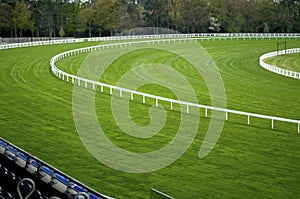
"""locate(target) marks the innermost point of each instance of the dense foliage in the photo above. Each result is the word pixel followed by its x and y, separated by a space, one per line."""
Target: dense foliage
pixel 54 18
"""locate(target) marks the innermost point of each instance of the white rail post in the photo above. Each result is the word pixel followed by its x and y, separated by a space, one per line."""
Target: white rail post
pixel 78 82
pixel 298 128
pixel 110 90
pixel 156 102
pixel 72 80
pixel 187 109
pixel 205 112
pixel 121 94
pixel 171 105
pixel 131 96
pixel 101 88
pixel 248 119
pixel 67 78
pixel 93 86
pixel 85 84
pixel 272 123
pixel 226 116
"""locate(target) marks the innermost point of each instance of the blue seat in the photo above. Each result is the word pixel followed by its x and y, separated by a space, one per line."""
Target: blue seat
pixel 93 196
pixel 3 144
pixel 34 163
pixel 22 156
pixel 79 188
pixel 12 149
pixel 47 170
pixel 61 179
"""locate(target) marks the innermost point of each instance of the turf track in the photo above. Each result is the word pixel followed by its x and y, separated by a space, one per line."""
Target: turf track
pixel 289 61
pixel 247 162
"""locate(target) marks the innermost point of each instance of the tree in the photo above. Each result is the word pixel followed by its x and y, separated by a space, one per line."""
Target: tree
pixel 61 32
pixel 288 13
pixel 156 13
pixel 69 16
pixel 85 19
pixel 130 15
pixel 107 14
pixel 5 17
pixel 21 18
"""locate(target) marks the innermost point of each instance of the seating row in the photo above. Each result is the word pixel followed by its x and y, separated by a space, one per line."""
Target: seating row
pixel 45 173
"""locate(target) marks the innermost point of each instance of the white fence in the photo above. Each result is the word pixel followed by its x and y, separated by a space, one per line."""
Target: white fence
pixel 205 36
pixel 276 69
pixel 154 39
pixel 94 84
pixel 39 43
pixel 214 36
pixel 10 40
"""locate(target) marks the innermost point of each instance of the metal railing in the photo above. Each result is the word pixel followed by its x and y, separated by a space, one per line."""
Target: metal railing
pixel 278 70
pixel 215 36
pixel 94 84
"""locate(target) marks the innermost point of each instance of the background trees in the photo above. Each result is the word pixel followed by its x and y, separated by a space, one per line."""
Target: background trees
pixel 21 18
pixel 107 17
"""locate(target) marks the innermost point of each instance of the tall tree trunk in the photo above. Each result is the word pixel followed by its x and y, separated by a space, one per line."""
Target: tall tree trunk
pixel 90 31
pixel 50 32
pixel 11 32
pixel 15 28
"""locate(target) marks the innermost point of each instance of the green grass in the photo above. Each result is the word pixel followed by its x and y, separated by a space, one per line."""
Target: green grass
pixel 247 162
pixel 289 61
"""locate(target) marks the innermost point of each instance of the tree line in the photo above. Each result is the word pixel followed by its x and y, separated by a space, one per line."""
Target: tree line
pixel 78 18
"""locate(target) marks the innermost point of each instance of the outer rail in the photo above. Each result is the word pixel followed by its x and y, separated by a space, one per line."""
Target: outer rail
pixel 93 84
pixel 278 70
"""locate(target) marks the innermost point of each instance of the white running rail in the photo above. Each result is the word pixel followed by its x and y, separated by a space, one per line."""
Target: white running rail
pixel 276 69
pixel 94 84
pixel 212 36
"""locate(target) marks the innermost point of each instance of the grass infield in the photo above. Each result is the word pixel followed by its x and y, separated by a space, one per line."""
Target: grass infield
pixel 247 162
pixel 289 61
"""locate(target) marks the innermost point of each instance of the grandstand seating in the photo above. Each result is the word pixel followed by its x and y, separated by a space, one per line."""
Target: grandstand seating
pixel 25 176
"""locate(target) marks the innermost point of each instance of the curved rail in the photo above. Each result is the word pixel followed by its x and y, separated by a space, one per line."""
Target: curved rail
pixel 214 36
pixel 278 70
pixel 93 84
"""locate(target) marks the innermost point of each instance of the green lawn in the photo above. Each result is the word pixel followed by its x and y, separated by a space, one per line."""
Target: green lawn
pixel 247 162
pixel 289 61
